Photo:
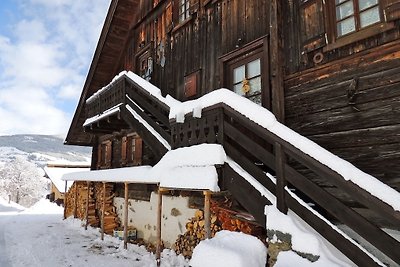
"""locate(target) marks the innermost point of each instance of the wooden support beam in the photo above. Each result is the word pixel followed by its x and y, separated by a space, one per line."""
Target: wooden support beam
pixel 103 210
pixel 126 217
pixel 159 218
pixel 87 205
pixel 280 178
pixel 76 201
pixel 65 201
pixel 207 214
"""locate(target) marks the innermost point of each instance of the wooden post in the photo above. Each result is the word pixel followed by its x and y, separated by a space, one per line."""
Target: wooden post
pixel 76 200
pixel 65 201
pixel 276 59
pixel 103 210
pixel 207 214
pixel 126 217
pixel 280 179
pixel 87 205
pixel 159 217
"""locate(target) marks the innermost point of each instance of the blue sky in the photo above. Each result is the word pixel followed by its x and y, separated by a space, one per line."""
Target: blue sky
pixel 46 47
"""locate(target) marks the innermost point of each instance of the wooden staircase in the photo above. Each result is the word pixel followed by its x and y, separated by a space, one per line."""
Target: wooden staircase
pixel 258 151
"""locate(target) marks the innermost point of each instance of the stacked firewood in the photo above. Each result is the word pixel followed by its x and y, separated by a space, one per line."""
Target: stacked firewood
pixel 195 232
pixel 78 189
pixel 111 220
pixel 235 221
pixel 222 218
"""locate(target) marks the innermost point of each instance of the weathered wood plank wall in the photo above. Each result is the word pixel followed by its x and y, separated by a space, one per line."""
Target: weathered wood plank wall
pixel 348 102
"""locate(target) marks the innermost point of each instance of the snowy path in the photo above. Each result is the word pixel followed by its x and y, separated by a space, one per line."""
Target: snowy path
pixel 39 237
pixel 6 213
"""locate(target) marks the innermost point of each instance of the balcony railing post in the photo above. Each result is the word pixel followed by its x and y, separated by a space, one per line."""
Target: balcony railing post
pixel 280 178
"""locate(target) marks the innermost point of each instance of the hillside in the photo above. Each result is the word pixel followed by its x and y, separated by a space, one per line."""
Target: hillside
pixel 40 149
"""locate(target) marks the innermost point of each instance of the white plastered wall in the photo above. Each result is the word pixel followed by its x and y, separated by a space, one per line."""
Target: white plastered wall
pixel 143 216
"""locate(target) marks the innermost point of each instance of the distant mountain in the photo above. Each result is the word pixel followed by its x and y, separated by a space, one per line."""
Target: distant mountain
pixel 40 149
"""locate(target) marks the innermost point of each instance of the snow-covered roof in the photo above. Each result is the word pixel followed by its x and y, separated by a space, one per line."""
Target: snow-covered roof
pixel 55 174
pixel 138 174
pixel 191 168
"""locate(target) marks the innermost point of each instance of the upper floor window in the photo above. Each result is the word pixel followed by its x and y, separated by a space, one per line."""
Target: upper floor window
pixel 354 15
pixel 184 6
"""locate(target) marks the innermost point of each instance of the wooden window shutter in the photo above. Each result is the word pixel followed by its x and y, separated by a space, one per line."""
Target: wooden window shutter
pixel 312 24
pixel 99 156
pixel 391 10
pixel 175 12
pixel 137 159
pixel 123 150
pixel 108 153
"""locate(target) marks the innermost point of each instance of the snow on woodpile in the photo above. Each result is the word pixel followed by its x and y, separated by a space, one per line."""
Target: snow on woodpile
pixel 139 174
pixel 231 249
pixel 191 167
pixel 183 168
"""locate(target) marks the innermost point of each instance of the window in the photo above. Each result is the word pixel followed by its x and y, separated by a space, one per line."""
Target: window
pixel 104 155
pixel 183 10
pixel 354 15
pixel 131 150
pixel 246 72
pixel 247 80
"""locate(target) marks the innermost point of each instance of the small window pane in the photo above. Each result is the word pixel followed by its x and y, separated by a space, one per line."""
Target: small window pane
pixel 346 26
pixel 237 88
pixel 364 4
pixel 255 85
pixel 340 1
pixel 344 10
pixel 238 74
pixel 369 17
pixel 254 69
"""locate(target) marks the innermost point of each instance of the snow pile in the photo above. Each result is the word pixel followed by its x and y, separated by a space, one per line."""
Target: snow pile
pixel 231 249
pixel 190 167
pixel 12 206
pixel 44 206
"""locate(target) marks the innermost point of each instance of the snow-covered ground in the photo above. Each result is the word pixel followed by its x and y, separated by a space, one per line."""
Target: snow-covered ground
pixel 40 237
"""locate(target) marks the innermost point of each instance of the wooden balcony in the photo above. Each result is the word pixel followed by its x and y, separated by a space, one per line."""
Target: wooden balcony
pixel 107 98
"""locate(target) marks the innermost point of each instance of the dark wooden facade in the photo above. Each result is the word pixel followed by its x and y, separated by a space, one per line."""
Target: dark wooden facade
pixel 333 83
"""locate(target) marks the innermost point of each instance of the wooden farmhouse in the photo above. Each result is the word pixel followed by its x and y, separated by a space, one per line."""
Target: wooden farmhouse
pixel 328 70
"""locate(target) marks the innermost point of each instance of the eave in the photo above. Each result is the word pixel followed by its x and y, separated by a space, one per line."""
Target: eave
pixel 105 63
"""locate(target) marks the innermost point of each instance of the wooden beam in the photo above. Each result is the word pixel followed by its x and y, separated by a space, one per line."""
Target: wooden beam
pixel 280 179
pixel 126 216
pixel 76 201
pixel 65 201
pixel 87 205
pixel 159 218
pixel 103 210
pixel 207 214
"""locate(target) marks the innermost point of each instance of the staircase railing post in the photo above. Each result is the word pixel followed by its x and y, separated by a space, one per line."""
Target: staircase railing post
pixel 280 178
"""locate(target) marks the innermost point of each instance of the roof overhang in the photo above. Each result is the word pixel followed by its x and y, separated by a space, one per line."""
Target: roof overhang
pixel 105 63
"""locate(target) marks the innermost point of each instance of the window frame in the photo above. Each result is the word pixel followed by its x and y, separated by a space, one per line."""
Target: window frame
pixel 258 46
pixel 186 10
pixel 334 41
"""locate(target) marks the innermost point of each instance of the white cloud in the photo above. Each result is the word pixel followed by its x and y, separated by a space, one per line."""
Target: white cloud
pixel 45 62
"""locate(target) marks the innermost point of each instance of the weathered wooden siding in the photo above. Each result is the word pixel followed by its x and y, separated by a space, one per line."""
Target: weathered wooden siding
pixel 352 108
pixel 214 29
